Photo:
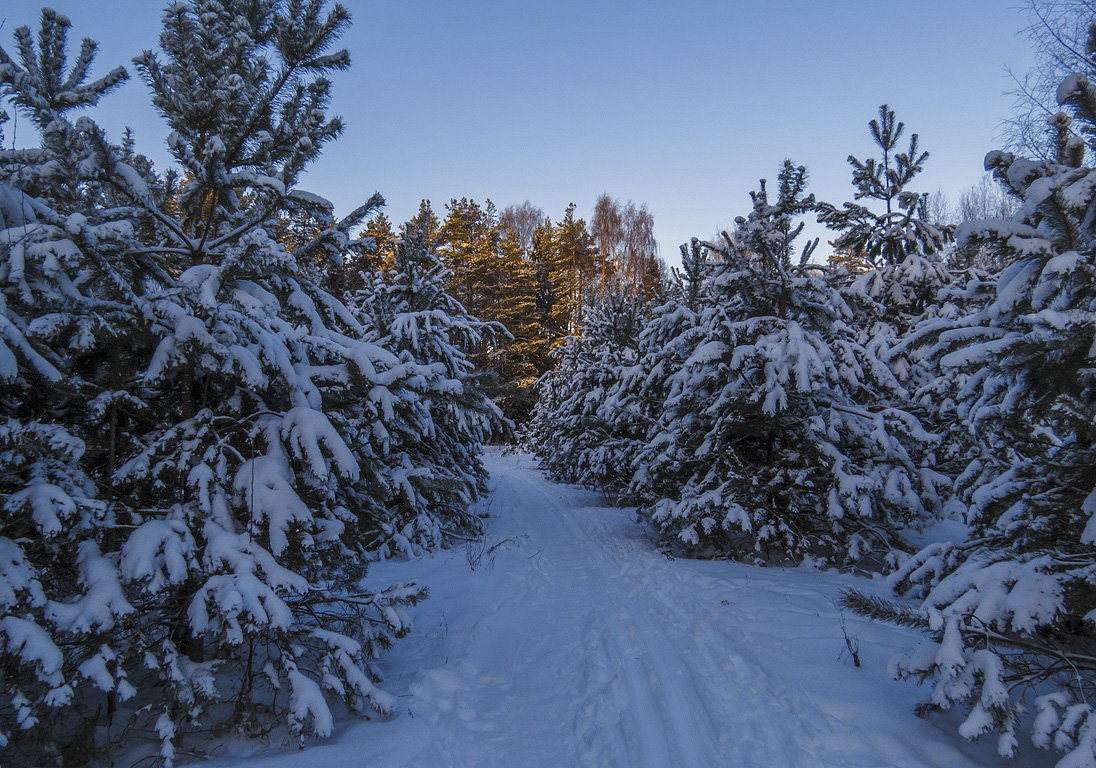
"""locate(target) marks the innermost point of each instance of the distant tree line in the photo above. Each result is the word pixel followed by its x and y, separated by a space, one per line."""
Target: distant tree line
pixel 529 274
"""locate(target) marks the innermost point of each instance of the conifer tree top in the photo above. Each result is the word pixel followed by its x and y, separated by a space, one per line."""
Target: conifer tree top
pixel 902 227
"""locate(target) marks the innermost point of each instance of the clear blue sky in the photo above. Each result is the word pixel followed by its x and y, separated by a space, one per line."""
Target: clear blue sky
pixel 681 105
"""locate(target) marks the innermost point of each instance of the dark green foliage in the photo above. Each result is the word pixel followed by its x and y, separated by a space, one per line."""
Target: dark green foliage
pixel 881 609
pixel 901 228
pixel 200 446
pixel 745 417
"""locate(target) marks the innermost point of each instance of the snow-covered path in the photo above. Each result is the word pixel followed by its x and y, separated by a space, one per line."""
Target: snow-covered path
pixel 575 643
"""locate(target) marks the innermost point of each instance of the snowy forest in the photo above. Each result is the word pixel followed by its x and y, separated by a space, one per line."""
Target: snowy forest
pixel 224 407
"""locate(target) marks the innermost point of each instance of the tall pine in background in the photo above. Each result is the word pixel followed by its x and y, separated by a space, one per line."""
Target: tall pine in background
pixel 571 269
pixel 518 362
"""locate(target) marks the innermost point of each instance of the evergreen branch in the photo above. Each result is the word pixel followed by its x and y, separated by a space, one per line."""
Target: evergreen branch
pixel 247 226
pixel 880 609
pixel 891 612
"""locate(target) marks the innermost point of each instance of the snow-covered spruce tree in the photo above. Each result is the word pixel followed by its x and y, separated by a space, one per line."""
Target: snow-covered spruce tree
pixel 576 430
pixel 783 438
pixel 430 443
pixel 197 563
pixel 1010 611
pixel 901 228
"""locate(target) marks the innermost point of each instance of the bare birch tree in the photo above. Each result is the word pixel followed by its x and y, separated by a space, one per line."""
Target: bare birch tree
pixel 1058 33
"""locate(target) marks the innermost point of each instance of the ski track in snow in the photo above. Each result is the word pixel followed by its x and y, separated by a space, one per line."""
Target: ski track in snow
pixel 576 643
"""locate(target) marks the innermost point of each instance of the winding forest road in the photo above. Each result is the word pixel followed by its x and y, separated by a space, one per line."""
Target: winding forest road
pixel 567 639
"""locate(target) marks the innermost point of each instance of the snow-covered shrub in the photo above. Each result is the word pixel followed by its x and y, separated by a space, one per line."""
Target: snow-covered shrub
pixel 1012 607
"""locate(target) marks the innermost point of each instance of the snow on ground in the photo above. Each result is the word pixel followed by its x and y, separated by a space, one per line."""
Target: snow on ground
pixel 574 642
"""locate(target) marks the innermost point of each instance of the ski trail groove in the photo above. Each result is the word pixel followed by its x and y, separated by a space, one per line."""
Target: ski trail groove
pixel 675 714
pixel 574 642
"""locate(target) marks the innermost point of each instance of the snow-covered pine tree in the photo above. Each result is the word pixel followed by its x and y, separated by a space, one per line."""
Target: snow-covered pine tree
pixel 1010 611
pixel 783 438
pixel 429 445
pixel 904 280
pixel 219 530
pixel 71 292
pixel 902 227
pixel 578 430
pixel 906 273
pixel 887 302
pixel 265 383
pixel 638 401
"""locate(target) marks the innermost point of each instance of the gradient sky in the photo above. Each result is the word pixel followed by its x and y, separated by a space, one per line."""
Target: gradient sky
pixel 682 105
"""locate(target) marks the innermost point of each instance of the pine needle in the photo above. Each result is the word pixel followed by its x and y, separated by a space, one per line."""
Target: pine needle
pixel 881 609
